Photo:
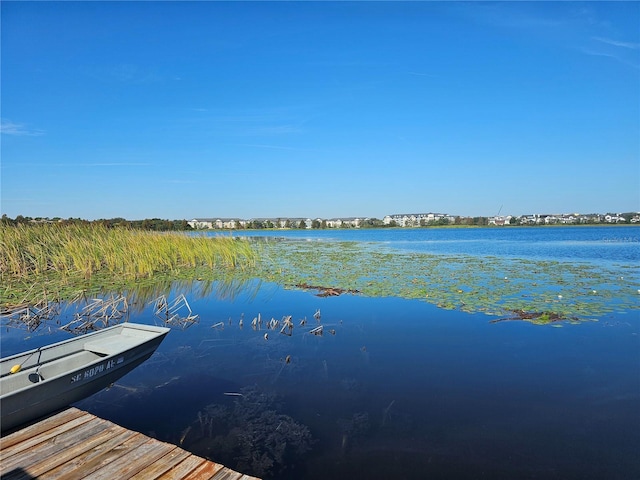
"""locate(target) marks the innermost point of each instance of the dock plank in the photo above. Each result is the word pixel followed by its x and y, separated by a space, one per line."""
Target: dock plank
pixel 163 465
pixel 59 421
pixel 45 424
pixel 50 447
pixel 116 455
pixel 74 445
pixel 87 462
pixel 65 460
pixel 227 474
pixel 184 468
pixel 137 459
pixel 206 471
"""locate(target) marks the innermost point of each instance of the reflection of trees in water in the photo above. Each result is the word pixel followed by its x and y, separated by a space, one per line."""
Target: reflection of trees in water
pixel 250 435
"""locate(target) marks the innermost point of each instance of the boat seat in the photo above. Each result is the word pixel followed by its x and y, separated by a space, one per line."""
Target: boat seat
pixel 113 345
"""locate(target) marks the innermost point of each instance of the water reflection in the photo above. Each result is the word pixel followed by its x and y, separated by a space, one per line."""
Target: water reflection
pixel 402 390
pixel 83 314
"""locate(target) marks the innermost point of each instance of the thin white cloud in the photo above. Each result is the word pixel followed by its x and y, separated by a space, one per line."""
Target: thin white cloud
pixel 617 43
pixel 512 15
pixel 624 61
pixel 8 127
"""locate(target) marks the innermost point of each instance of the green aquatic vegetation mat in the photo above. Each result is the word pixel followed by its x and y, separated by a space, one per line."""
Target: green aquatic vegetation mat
pixel 499 286
pixel 495 285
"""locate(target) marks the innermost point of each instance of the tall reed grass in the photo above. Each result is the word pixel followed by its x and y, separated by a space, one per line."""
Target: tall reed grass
pixel 32 250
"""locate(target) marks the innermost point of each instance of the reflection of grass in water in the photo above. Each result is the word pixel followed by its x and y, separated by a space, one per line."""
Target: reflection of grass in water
pixel 139 296
pixel 200 282
pixel 493 285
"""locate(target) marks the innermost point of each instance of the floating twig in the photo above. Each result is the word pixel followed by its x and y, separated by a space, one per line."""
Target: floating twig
pixel 317 330
pixel 386 412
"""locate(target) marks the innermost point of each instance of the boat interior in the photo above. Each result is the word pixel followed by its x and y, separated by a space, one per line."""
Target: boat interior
pixel 37 373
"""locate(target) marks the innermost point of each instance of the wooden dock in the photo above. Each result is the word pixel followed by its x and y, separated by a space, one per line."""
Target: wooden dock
pixel 75 445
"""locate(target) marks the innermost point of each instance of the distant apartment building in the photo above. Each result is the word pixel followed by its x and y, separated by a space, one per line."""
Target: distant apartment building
pixel 207 223
pixel 349 222
pixel 416 219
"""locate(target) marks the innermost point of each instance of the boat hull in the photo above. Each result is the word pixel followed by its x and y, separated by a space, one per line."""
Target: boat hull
pixel 87 365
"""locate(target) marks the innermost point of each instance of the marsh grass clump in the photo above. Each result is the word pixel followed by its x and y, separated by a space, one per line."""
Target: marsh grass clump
pixel 59 255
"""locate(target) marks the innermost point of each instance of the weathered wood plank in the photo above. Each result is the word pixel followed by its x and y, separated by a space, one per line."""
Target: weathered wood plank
pixel 55 421
pixel 75 445
pixel 65 459
pixel 51 446
pixel 206 471
pixel 85 463
pixel 137 459
pixel 183 469
pixel 44 424
pixel 226 474
pixel 163 465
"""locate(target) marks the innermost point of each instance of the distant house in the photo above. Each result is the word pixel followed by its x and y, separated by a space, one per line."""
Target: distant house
pixel 614 218
pixel 499 221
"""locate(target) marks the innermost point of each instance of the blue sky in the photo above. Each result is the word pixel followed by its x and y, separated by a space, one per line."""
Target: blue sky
pixel 329 109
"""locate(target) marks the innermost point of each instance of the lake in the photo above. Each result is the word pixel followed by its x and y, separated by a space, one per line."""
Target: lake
pixel 395 387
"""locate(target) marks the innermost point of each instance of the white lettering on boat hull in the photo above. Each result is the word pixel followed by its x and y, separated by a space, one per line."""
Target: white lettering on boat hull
pixel 93 371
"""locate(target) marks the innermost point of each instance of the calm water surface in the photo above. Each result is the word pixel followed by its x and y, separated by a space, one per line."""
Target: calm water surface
pixel 617 243
pixel 402 389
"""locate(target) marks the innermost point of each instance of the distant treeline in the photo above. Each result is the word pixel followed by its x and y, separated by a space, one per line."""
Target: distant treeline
pixel 155 224
pixel 158 224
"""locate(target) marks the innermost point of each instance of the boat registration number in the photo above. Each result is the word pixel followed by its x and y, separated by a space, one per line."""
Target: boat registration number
pixel 93 371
